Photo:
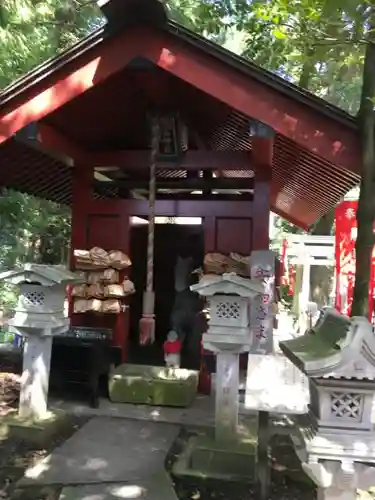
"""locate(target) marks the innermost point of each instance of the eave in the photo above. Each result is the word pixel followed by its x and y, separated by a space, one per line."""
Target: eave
pixel 310 171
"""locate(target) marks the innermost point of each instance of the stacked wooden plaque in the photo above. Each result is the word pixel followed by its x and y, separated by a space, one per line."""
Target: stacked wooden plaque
pixel 107 284
pixel 217 263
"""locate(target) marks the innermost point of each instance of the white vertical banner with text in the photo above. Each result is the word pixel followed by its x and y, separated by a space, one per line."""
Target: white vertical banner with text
pixel 262 268
pixel 273 383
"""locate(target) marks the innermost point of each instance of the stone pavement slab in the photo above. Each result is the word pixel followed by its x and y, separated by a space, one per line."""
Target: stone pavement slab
pixel 201 412
pixel 140 491
pixel 107 450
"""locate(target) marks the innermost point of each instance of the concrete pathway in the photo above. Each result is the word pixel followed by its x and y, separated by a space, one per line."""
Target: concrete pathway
pixel 110 457
pixel 201 412
pixel 119 492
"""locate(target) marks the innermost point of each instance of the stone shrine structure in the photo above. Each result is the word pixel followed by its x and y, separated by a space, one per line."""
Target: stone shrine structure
pixel 336 444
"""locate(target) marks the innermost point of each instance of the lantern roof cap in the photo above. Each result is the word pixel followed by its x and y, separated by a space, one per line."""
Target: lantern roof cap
pixel 40 273
pixel 336 347
pixel 228 283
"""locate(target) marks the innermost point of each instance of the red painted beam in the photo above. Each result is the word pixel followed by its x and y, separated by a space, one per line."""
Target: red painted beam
pixel 262 151
pixel 51 139
pixel 191 160
pixel 175 208
pixel 58 88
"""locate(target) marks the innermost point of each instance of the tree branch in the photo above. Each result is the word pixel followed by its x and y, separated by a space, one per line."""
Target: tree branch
pixel 337 42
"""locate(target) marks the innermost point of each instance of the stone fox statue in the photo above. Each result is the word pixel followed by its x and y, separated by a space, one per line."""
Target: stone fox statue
pixel 187 306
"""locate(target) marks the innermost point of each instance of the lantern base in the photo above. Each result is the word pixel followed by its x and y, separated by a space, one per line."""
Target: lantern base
pixel 35 430
pixel 35 377
pixel 203 456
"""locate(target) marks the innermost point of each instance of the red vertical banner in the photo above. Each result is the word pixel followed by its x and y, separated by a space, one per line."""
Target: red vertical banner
pixel 292 279
pixel 371 289
pixel 345 238
pixel 284 264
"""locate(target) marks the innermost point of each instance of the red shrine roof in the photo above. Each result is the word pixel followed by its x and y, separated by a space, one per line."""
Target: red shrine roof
pixel 92 102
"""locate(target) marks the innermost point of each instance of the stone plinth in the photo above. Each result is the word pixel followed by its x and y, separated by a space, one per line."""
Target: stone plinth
pixel 35 376
pixel 32 429
pixel 226 404
pixel 204 456
pixel 153 385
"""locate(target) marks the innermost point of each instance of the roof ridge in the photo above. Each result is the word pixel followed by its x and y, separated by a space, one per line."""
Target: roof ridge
pixel 239 62
pixel 52 64
pixel 273 79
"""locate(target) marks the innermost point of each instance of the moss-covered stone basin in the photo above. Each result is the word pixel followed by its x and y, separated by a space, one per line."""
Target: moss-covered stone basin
pixel 153 385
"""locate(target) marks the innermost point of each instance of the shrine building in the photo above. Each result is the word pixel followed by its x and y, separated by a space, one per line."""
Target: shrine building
pixel 236 142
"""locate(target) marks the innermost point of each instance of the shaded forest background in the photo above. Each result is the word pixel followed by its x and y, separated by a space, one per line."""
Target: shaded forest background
pixel 319 45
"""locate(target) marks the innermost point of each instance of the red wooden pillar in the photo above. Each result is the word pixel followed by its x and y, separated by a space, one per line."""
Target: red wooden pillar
pixel 262 154
pixel 108 227
pixel 81 196
pixel 228 234
pixel 209 228
pixel 121 330
pixel 262 142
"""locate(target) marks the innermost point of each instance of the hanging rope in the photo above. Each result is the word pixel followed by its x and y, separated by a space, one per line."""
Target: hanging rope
pixel 151 206
pixel 147 323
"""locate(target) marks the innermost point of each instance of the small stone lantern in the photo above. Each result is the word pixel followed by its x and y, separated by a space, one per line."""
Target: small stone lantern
pixel 228 335
pixel 336 444
pixel 39 314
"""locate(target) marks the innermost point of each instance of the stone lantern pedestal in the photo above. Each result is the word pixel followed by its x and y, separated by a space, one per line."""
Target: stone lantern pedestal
pixel 336 443
pixel 39 315
pixel 230 452
pixel 228 335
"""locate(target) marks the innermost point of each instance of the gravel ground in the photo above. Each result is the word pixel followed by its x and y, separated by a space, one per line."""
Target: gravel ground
pixel 16 455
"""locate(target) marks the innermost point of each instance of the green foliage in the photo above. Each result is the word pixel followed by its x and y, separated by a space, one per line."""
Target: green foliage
pixel 318 44
pixel 32 31
pixel 31 230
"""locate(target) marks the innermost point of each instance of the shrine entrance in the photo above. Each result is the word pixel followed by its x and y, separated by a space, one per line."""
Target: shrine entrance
pixel 168 240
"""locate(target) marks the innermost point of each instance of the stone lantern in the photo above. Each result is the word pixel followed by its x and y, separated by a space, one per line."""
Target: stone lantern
pixel 227 336
pixel 336 444
pixel 39 315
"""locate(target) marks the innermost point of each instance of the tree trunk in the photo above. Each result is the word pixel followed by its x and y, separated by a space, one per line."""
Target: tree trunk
pixel 365 211
pixel 308 69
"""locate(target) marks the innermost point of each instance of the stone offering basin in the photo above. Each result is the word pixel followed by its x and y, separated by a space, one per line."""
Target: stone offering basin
pixel 152 385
